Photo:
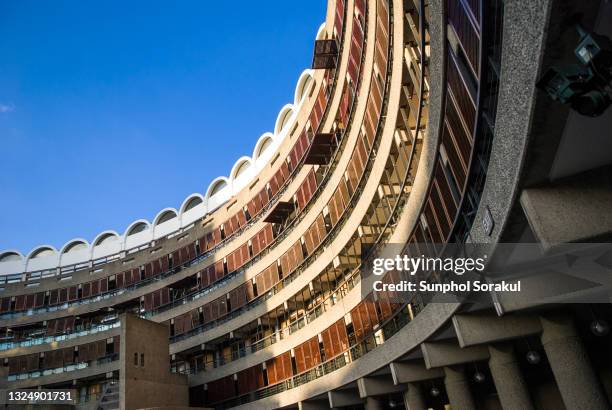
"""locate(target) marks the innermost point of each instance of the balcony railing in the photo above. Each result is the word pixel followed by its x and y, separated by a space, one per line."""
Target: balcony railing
pixel 43 339
pixel 64 369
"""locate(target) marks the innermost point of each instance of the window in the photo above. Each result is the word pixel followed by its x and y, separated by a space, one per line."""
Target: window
pixel 142 359
pixel 135 359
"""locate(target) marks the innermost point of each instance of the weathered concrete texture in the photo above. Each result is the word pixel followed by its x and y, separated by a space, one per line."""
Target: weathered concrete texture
pixel 576 210
pixel 408 372
pixel 413 398
pixel 447 353
pixel 571 366
pixel 509 383
pixel 344 398
pixel 458 389
pixel 377 386
pixel 479 328
pixel 524 37
pixel 373 403
pixel 145 378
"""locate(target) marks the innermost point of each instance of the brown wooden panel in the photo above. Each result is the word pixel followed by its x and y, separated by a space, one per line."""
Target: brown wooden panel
pixel 279 368
pixel 307 355
pixel 250 379
pixel 221 389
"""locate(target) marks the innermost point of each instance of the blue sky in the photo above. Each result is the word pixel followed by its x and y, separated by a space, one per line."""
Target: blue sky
pixel 111 111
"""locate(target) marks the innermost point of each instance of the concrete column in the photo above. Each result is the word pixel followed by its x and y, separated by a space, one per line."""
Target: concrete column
pixel 576 379
pixel 509 383
pixel 373 403
pixel 413 397
pixel 458 389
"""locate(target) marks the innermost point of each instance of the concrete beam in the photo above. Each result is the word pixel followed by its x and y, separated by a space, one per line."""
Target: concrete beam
pixel 344 398
pixel 576 210
pixel 410 372
pixel 479 328
pixel 377 386
pixel 447 353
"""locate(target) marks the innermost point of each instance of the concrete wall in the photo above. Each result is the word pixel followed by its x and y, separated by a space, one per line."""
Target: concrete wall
pixel 150 384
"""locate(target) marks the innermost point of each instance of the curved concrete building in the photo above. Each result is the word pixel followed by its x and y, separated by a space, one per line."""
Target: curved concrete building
pixel 419 127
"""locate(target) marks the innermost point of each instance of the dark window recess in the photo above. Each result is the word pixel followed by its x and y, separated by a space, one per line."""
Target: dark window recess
pixel 135 359
pixel 222 229
pixel 280 271
pixel 197 248
pixel 142 359
pixel 170 261
pixel 293 366
pixel 328 224
pixel 247 214
pixel 225 267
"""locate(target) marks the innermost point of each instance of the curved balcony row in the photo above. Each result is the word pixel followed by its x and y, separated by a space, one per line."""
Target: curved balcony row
pixel 148 271
pixel 355 247
pixel 255 209
pixel 24 370
pixel 309 360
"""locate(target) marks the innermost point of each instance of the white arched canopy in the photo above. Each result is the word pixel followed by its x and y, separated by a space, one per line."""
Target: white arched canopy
pixel 322 32
pixel 165 215
pixel 191 202
pixel 105 237
pixel 105 244
pixel 11 256
pixel 42 251
pixel 137 227
pixel 283 118
pixel 217 186
pixel 240 167
pixel 74 245
pixel 303 85
pixel 263 143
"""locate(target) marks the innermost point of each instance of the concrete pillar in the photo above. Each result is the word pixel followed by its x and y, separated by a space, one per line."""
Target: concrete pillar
pixel 509 383
pixel 576 379
pixel 373 403
pixel 458 389
pixel 413 397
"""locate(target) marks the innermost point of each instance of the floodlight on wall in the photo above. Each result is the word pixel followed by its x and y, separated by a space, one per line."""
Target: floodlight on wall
pixel 585 87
